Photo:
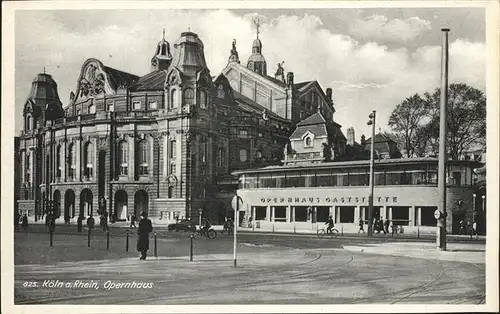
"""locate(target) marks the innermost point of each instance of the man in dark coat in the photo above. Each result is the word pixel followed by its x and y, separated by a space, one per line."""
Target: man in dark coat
pixel 25 221
pixel 145 228
pixel 79 223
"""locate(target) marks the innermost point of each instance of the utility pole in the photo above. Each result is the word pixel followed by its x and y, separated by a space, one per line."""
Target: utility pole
pixel 441 215
pixel 370 197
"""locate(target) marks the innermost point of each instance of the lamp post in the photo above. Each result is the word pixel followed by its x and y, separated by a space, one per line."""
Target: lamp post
pixel 443 102
pixel 370 196
pixel 200 212
pixel 483 209
pixel 474 211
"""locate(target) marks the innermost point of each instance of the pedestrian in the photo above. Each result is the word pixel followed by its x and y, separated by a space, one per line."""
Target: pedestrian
pixel 79 223
pixel 376 225
pixel 361 226
pixel 381 225
pixel 473 230
pixel 66 219
pixel 387 222
pixel 132 220
pixel 25 222
pixel 90 222
pixel 394 228
pixel 462 227
pixel 52 224
pixel 16 221
pixel 145 228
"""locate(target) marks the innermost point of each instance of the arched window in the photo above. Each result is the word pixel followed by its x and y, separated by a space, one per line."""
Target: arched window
pixel 88 160
pixel 123 158
pixel 243 155
pixel 29 122
pixel 188 96
pixel 308 142
pixel 143 157
pixel 58 162
pixel 259 154
pixel 173 99
pixel 71 161
pixel 203 99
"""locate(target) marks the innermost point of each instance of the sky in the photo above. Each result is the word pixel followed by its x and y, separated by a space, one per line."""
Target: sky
pixel 372 58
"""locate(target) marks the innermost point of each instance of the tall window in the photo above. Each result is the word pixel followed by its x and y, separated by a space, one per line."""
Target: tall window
pixel 123 157
pixel 173 145
pixel 203 99
pixel 88 161
pixel 220 157
pixel 203 150
pixel 143 157
pixel 58 162
pixel 71 161
pixel 173 98
pixel 170 191
pixel 29 122
pixel 172 168
pixel 243 155
pixel 188 98
pixel 28 168
pixel 136 105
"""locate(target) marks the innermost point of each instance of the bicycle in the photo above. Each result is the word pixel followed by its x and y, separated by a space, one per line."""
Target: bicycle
pixel 333 233
pixel 199 233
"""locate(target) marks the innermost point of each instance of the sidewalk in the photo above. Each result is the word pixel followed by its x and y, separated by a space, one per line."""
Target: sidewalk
pixel 458 252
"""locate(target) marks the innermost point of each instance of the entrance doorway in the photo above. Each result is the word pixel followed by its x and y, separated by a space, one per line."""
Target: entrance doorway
pixel 86 199
pixel 141 202
pixel 69 204
pixel 121 201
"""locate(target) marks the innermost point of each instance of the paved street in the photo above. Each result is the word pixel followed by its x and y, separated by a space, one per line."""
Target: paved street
pixel 272 269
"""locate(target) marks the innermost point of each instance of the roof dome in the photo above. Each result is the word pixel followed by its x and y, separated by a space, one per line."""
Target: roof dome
pixel 257 43
pixel 256 58
pixel 163 49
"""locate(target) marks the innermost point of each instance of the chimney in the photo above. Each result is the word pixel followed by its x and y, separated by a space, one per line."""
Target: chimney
pixel 350 136
pixel 289 78
pixel 329 94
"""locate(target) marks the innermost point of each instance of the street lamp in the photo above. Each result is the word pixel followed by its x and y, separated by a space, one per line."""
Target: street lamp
pixel 370 197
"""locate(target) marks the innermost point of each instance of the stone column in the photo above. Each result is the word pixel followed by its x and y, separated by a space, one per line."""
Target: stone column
pixel 94 162
pixel 23 167
pixel 357 213
pixel 64 147
pixel 209 156
pixel 389 213
pixel 273 212
pixel 288 214
pixel 166 156
pixel 253 213
pixel 78 165
pixel 292 215
pixel 268 213
pixel 131 158
pixel 151 160
pixel 411 216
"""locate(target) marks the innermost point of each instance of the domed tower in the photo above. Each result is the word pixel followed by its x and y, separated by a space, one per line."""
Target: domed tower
pixel 257 62
pixel 43 102
pixel 162 58
pixel 189 56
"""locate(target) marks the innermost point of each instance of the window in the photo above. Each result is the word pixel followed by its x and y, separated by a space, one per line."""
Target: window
pixel 173 99
pixel 111 107
pixel 58 162
pixel 172 168
pixel 91 109
pixel 173 145
pixel 203 99
pixel 71 161
pixel 88 155
pixel 29 122
pixel 153 105
pixel 123 158
pixel 136 105
pixel 260 212
pixel 259 154
pixel 188 98
pixel 243 155
pixel 143 157
pixel 346 214
pixel 220 92
pixel 308 142
pixel 203 150
pixel 220 158
pixel 28 167
pixel 243 133
pixel 78 112
pixel 170 191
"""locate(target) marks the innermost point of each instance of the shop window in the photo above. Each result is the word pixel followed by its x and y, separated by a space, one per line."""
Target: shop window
pixel 322 213
pixel 346 214
pixel 427 216
pixel 300 213
pixel 401 215
pixel 280 213
pixel 260 212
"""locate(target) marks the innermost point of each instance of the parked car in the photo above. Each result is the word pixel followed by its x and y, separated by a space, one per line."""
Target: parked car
pixel 184 225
